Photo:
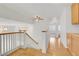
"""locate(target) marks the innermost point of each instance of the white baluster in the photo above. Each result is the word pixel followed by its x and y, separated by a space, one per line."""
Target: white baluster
pixel 12 42
pixel 8 42
pixel 2 49
pixel 5 43
pixel 0 44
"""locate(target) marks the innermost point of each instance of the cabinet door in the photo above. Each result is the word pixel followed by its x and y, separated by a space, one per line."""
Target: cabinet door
pixel 75 13
pixel 75 45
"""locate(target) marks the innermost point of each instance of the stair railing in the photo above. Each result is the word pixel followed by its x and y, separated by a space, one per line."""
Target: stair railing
pixel 11 41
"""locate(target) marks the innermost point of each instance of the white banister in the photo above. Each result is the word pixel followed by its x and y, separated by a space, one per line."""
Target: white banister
pixel 11 41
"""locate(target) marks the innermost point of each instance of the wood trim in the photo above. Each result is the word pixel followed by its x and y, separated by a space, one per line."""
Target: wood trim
pixel 44 31
pixel 4 33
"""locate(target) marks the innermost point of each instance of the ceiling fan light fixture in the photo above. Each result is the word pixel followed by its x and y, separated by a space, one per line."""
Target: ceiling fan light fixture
pixel 37 18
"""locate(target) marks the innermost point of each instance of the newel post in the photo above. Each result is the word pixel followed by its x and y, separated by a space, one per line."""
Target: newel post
pixel 44 47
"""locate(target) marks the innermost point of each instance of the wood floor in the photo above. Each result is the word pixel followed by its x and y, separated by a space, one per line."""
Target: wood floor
pixel 28 52
pixel 58 50
pixel 35 52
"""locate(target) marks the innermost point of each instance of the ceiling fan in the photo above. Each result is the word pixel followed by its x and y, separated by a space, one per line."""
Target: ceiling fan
pixel 37 18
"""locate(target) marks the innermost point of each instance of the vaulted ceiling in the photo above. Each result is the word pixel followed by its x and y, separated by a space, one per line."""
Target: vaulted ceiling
pixel 25 11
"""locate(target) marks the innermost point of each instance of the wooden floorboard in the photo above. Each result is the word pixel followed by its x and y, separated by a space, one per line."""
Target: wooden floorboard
pixel 27 52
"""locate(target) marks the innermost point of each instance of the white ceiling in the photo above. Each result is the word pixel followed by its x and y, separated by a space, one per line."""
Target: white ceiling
pixel 25 11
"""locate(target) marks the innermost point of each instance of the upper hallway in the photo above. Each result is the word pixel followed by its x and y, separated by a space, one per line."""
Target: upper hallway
pixel 38 19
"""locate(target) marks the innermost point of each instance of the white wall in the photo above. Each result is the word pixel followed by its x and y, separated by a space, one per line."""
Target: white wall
pixel 63 27
pixel 71 28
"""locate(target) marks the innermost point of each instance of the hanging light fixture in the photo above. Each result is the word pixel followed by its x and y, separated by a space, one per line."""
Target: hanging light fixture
pixel 37 18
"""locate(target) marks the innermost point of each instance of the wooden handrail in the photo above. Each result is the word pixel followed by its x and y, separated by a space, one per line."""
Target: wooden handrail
pixel 31 38
pixel 4 33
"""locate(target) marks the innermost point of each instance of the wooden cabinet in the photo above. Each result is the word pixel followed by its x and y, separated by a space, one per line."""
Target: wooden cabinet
pixel 73 43
pixel 75 13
